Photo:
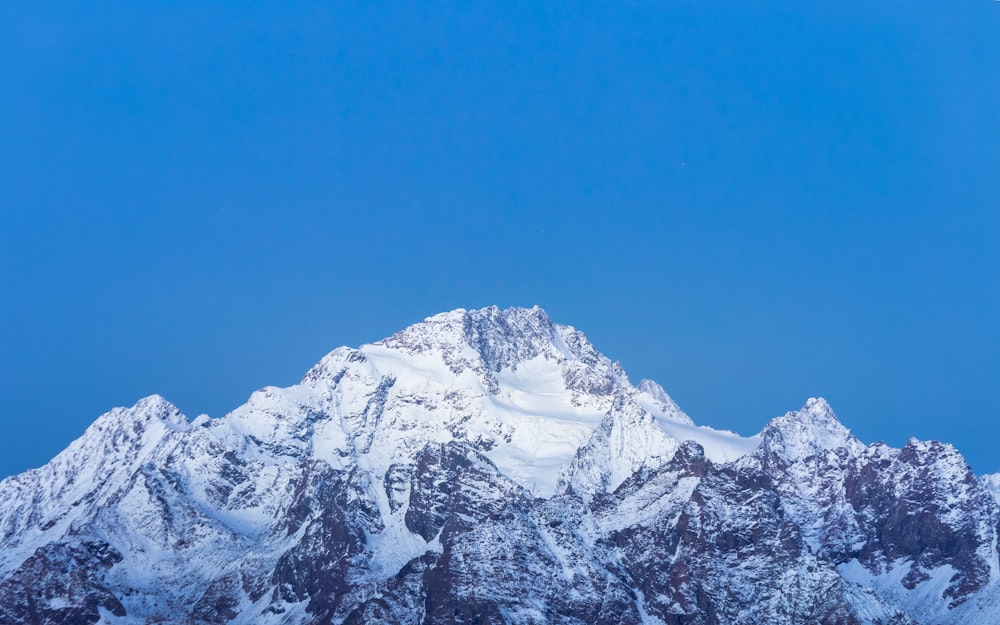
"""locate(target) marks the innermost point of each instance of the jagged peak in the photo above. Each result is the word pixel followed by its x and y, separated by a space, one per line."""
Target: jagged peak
pixel 818 408
pixel 801 433
pixel 149 409
pixel 815 413
pixel 500 337
pixel 491 340
pixel 112 436
pixel 160 407
pixel 663 401
pixel 653 389
pixel 487 341
pixel 920 452
pixel 331 366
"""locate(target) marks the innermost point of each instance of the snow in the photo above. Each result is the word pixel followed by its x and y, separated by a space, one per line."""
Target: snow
pixel 927 599
pixel 655 400
pixel 809 431
pixel 535 398
pixel 721 446
pixel 991 482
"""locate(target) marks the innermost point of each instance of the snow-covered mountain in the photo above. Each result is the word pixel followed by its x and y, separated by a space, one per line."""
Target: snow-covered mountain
pixel 490 466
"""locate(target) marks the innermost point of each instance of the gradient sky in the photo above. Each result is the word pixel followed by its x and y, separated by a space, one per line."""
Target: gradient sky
pixel 751 203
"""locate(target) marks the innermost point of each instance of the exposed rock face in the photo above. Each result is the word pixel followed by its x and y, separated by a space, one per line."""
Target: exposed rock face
pixel 918 515
pixel 491 467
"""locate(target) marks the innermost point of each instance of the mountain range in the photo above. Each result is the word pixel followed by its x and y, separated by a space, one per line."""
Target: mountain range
pixel 492 467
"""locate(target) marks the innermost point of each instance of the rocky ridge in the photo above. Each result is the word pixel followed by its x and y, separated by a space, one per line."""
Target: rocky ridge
pixel 491 466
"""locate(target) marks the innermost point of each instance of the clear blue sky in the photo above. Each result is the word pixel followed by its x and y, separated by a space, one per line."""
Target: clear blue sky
pixel 750 202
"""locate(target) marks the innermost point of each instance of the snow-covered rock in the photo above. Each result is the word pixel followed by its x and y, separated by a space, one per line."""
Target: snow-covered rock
pixel 491 466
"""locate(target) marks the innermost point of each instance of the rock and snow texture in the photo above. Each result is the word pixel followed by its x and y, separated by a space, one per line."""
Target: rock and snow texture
pixel 490 466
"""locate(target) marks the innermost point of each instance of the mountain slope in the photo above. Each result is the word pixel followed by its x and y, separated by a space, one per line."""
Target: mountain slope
pixel 490 466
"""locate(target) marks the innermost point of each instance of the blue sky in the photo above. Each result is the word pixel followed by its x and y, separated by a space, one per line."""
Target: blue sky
pixel 751 203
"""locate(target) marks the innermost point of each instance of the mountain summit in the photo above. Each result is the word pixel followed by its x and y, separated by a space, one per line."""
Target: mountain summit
pixel 491 466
